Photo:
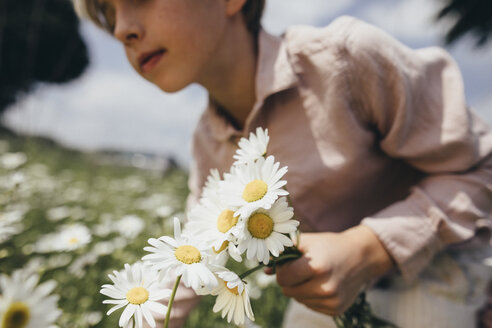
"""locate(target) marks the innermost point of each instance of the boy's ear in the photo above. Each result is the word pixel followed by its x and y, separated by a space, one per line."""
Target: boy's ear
pixel 234 6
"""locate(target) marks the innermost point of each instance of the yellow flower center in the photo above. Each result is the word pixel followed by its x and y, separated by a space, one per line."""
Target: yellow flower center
pixel 17 316
pixel 73 240
pixel 260 225
pixel 233 290
pixel 137 295
pixel 226 220
pixel 222 247
pixel 255 190
pixel 188 254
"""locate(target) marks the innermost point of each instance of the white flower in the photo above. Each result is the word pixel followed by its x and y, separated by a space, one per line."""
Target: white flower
pixel 253 186
pixel 164 211
pixel 68 238
pixel 264 231
pixel 103 248
pixel 14 180
pixel 216 225
pixel 253 148
pixel 12 161
pixel 93 318
pixel 129 226
pixel 105 225
pixel 263 280
pixel 77 267
pixel 138 288
pixel 232 298
pixel 58 213
pixel 183 254
pixel 24 304
pixel 9 224
pixel 72 237
pixel 211 188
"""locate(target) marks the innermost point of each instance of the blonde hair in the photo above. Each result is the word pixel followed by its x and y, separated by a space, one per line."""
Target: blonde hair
pixel 96 12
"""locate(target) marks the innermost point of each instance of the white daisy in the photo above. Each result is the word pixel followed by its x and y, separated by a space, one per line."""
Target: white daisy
pixel 7 230
pixel 232 298
pixel 253 148
pixel 216 225
pixel 58 213
pixel 72 237
pixel 211 188
pixel 164 211
pixel 139 289
pixel 129 226
pixel 13 181
pixel 12 161
pixel 265 229
pixel 26 304
pixel 183 254
pixel 10 224
pixel 46 244
pixel 67 238
pixel 253 186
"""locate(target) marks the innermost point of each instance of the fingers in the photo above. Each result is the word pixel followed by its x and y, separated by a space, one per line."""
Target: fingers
pixel 315 288
pixel 326 307
pixel 332 305
pixel 294 273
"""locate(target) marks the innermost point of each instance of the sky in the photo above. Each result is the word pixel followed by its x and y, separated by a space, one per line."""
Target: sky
pixel 111 107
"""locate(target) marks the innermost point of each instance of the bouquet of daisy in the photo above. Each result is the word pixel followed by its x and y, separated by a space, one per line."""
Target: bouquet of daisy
pixel 245 213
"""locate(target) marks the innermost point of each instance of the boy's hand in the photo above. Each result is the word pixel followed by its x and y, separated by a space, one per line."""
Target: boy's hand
pixel 333 269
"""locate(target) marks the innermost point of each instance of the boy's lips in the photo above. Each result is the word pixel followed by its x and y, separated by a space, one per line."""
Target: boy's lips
pixel 149 59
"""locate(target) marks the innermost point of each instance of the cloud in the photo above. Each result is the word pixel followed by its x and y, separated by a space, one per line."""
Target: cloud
pixel 410 20
pixel 107 109
pixel 280 14
pixel 413 23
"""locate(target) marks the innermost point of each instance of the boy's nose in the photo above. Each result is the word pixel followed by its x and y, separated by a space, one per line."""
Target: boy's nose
pixel 127 28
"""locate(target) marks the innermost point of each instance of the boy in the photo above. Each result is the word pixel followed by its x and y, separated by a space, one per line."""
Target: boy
pixel 387 167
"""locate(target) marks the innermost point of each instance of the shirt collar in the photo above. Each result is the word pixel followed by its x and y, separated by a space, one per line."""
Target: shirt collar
pixel 274 73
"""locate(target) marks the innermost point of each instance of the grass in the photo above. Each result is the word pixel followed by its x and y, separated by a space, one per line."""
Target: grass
pixel 98 197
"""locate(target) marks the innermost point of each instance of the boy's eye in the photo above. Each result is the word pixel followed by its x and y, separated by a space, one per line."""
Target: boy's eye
pixel 109 14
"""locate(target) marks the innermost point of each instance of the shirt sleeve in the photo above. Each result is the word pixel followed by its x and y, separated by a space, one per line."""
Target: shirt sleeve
pixel 414 102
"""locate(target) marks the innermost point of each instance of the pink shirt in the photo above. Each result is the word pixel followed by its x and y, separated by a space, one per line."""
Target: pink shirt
pixel 372 132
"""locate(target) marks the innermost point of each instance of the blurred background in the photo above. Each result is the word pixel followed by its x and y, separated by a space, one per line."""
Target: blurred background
pixel 110 107
pixel 93 159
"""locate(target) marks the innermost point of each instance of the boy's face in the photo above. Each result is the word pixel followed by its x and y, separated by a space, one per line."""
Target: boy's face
pixel 169 42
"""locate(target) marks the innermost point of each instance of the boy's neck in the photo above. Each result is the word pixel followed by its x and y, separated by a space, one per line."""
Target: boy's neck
pixel 230 79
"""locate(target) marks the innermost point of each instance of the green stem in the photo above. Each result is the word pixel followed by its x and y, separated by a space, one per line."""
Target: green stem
pixel 250 271
pixel 171 300
pixel 280 259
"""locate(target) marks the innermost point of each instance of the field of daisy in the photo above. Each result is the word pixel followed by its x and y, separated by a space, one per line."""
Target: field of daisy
pixel 70 220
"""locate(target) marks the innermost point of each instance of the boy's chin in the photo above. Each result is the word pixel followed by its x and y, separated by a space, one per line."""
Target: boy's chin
pixel 171 88
pixel 168 84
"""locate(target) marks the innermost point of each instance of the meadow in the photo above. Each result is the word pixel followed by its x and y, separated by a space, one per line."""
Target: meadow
pixel 48 191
